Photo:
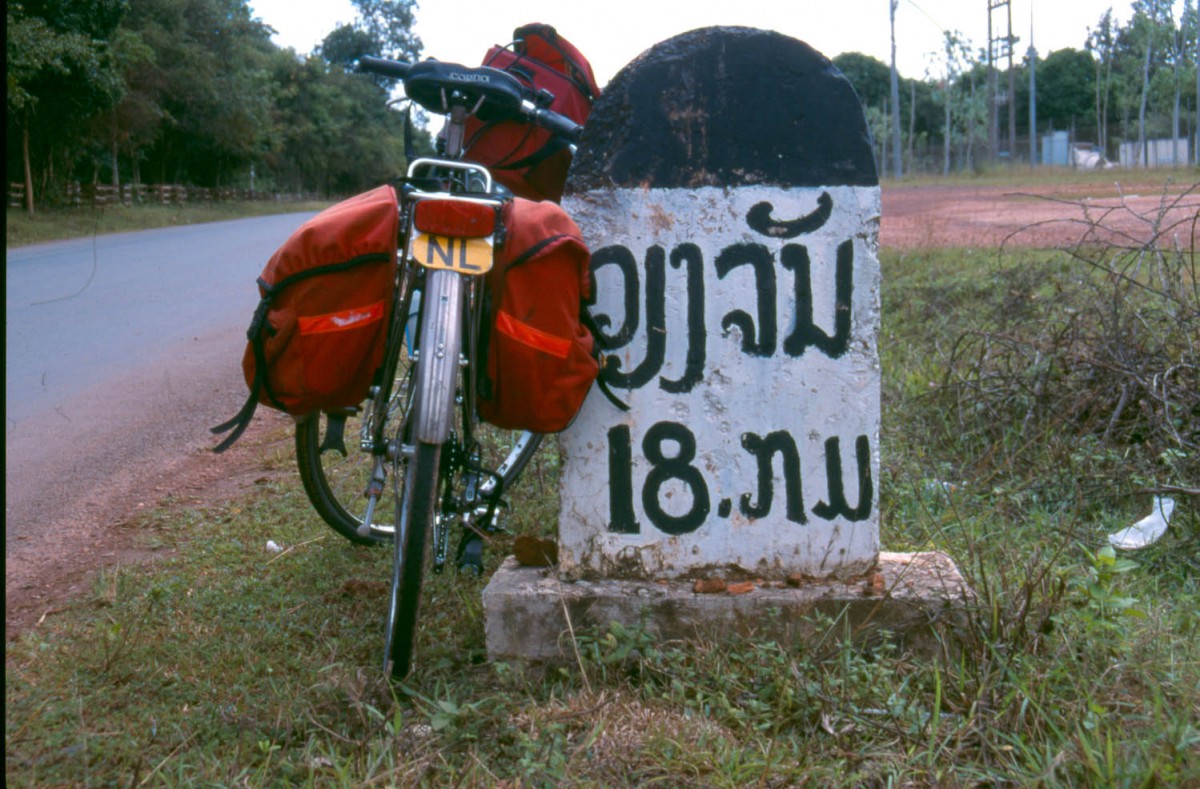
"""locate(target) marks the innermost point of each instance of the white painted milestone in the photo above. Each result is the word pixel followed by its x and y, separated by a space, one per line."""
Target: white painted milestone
pixel 741 327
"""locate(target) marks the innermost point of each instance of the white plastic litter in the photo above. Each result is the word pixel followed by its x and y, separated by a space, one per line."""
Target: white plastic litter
pixel 274 547
pixel 1147 530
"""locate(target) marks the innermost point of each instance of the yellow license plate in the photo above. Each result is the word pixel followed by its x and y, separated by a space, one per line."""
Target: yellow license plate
pixel 470 256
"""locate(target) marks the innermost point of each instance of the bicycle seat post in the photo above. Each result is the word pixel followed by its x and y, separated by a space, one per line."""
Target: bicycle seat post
pixel 456 126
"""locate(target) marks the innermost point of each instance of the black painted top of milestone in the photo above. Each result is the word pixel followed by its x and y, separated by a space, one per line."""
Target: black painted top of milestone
pixel 726 106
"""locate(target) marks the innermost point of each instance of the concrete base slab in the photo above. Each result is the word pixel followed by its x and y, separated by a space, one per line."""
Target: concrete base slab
pixel 919 599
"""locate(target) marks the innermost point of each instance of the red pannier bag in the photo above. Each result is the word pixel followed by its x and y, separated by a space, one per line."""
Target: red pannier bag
pixel 527 159
pixel 319 331
pixel 539 360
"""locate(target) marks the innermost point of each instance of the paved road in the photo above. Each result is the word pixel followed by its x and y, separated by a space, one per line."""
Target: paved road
pixel 82 312
pixel 120 352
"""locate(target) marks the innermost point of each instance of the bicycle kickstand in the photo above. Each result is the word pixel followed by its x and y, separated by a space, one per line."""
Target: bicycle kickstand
pixel 374 490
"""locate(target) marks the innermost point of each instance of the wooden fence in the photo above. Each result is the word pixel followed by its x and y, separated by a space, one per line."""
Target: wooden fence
pixel 94 195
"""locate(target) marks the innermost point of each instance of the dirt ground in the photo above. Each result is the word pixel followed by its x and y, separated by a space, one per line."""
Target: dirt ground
pixel 134 459
pixel 1128 214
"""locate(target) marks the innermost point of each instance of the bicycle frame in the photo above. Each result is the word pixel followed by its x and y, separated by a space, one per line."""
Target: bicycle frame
pixel 458 294
pixel 419 424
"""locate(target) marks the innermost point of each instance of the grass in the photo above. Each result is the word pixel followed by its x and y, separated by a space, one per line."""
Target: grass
pixel 54 224
pixel 231 665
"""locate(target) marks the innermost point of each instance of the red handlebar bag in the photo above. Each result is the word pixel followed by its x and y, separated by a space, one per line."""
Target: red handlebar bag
pixel 318 333
pixel 538 358
pixel 527 159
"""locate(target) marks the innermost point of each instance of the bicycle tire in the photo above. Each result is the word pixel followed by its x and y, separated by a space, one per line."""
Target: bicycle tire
pixel 434 409
pixel 409 559
pixel 333 483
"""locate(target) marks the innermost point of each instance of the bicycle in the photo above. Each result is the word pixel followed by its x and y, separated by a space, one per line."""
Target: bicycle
pixel 424 461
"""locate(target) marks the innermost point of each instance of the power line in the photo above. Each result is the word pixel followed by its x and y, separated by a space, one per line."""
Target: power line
pixel 928 16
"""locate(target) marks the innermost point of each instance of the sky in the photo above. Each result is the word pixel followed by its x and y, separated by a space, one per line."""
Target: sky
pixel 610 33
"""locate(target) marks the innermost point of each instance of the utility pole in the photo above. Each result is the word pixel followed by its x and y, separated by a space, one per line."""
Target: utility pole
pixel 998 46
pixel 993 131
pixel 1032 55
pixel 896 149
pixel 1012 89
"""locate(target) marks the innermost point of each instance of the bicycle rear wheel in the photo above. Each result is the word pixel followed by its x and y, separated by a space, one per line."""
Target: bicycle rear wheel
pixel 336 470
pixel 335 483
pixel 436 386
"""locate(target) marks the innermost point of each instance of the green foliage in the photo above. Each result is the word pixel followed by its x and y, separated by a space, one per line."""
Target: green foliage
pixel 41 55
pixel 920 113
pixel 60 72
pixel 193 91
pixel 869 76
pixel 1103 601
pixel 327 124
pixel 95 18
pixel 390 23
pixel 346 44
pixel 1066 85
pixel 208 78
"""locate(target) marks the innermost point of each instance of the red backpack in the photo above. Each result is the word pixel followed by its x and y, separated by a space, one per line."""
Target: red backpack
pixel 527 159
pixel 538 355
pixel 318 333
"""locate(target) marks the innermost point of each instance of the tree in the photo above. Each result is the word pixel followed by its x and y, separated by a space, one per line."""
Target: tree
pixel 869 76
pixel 1150 29
pixel 134 122
pixel 334 132
pixel 871 80
pixel 209 79
pixel 193 91
pixel 1066 87
pixel 60 73
pixel 1182 44
pixel 383 29
pixel 960 104
pixel 346 44
pixel 1101 44
pixel 390 22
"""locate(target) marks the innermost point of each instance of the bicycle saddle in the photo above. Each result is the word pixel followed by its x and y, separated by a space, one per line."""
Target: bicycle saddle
pixel 429 83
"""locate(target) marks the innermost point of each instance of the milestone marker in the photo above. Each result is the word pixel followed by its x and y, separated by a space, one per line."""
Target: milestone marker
pixel 727 187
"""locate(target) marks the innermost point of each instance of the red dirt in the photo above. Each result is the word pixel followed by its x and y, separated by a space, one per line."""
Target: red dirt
pixel 139 456
pixel 921 217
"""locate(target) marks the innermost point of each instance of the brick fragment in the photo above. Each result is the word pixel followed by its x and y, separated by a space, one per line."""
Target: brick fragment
pixel 708 585
pixel 874 586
